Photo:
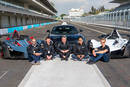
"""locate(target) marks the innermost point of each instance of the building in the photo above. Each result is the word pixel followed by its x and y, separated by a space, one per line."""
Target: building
pixel 120 1
pixel 25 12
pixel 76 12
pixel 124 4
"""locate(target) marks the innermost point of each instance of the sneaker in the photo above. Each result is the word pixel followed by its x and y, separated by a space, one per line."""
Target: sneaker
pixel 38 63
pixel 33 63
pixel 90 62
pixel 66 59
pixel 87 59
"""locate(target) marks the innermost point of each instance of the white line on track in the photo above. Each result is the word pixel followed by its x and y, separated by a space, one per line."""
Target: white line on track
pixel 101 26
pixel 90 29
pixel 3 74
pixel 108 28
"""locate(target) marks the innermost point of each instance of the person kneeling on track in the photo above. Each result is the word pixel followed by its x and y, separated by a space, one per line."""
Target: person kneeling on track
pixel 102 52
pixel 49 49
pixel 64 48
pixel 34 52
pixel 80 51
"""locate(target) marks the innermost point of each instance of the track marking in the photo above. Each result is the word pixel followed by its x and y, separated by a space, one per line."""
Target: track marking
pixel 103 26
pixel 3 74
pixel 106 28
pixel 90 29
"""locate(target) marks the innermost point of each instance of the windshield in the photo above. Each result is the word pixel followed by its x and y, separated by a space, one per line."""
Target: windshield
pixel 114 35
pixel 64 30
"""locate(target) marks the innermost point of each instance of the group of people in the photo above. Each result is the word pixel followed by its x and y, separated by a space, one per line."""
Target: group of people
pixel 79 51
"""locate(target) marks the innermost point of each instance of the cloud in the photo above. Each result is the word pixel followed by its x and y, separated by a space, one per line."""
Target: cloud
pixel 64 5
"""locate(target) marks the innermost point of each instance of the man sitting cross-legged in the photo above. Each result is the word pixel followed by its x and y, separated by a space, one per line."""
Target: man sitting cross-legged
pixel 34 52
pixel 64 48
pixel 80 50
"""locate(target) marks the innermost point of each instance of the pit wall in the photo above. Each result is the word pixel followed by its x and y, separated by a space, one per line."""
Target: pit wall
pixel 21 28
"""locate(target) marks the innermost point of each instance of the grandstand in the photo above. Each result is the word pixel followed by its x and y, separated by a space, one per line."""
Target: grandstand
pixel 124 4
pixel 25 12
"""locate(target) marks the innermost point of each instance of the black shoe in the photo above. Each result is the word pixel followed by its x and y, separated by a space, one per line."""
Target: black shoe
pixel 90 62
pixel 66 59
pixel 62 59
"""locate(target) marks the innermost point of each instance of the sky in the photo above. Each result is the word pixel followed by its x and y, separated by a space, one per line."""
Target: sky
pixel 63 6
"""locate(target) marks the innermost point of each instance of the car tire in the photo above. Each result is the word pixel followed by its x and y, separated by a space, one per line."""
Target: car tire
pixel 1 49
pixel 6 53
pixel 89 46
pixel 127 51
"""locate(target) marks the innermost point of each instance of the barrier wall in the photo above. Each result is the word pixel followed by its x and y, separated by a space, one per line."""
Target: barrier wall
pixel 21 28
pixel 119 19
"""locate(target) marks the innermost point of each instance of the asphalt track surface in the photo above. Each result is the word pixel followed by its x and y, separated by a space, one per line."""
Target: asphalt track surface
pixel 117 71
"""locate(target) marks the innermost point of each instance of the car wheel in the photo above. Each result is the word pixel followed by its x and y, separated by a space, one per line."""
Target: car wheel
pixel 6 53
pixel 127 51
pixel 1 53
pixel 89 46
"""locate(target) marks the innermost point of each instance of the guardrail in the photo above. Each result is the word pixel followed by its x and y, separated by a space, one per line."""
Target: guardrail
pixel 119 19
pixel 21 28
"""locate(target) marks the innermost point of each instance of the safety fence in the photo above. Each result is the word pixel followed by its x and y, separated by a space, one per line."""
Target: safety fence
pixel 21 28
pixel 119 19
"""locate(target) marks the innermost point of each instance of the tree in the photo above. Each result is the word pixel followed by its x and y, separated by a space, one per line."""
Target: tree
pixel 62 15
pixel 85 14
pixel 93 10
pixel 102 9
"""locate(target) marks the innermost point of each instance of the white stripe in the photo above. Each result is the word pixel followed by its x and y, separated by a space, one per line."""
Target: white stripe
pixel 91 29
pixel 106 83
pixel 3 74
pixel 100 26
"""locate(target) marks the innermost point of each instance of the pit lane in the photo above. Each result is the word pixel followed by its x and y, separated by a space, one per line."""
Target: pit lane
pixel 116 71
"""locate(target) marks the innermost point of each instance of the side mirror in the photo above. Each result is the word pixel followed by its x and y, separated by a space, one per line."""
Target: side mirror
pixel 81 30
pixel 48 31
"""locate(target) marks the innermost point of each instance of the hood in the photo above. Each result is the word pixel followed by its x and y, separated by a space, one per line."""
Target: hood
pixel 70 38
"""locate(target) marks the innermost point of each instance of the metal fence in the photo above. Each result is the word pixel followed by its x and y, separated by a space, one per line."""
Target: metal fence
pixel 116 19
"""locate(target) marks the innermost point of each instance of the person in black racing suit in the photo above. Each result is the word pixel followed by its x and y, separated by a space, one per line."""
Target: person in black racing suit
pixel 49 49
pixel 34 52
pixel 80 50
pixel 64 48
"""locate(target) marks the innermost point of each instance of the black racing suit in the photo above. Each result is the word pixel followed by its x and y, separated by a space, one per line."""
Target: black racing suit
pixel 62 46
pixel 33 49
pixel 81 49
pixel 49 49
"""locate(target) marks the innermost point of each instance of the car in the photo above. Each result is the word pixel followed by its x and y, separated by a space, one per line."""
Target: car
pixel 15 45
pixel 118 45
pixel 70 31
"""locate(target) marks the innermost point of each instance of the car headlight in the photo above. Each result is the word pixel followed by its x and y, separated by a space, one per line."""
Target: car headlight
pixel 10 48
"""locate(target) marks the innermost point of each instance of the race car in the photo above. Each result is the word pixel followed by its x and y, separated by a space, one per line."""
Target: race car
pixel 15 46
pixel 70 31
pixel 118 45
